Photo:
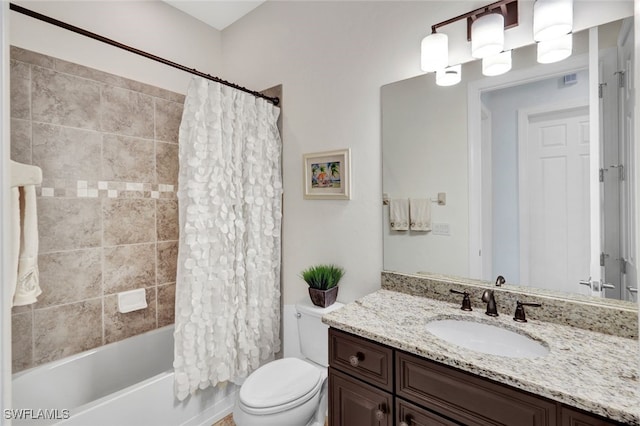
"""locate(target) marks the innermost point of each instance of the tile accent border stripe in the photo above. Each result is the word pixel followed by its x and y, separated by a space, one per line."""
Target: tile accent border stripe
pixel 65 188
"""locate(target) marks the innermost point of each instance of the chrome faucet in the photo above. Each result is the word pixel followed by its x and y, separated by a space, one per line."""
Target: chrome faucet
pixel 490 300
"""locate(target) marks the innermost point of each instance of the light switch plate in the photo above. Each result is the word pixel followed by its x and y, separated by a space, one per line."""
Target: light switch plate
pixel 441 229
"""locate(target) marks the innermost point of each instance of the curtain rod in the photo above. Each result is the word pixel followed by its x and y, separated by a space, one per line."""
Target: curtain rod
pixel 147 55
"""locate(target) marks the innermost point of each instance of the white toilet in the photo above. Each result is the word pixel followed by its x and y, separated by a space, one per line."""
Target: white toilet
pixel 290 391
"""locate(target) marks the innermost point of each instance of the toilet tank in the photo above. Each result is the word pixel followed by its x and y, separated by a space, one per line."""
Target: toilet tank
pixel 313 334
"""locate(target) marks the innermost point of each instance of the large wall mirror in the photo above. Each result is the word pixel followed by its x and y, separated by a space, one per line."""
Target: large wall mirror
pixel 516 157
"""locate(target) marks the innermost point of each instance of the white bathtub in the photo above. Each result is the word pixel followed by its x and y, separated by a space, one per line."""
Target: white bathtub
pixel 124 383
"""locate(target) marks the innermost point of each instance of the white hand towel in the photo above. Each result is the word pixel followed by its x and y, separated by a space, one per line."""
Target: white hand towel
pixel 28 283
pixel 420 213
pixel 399 214
pixel 14 250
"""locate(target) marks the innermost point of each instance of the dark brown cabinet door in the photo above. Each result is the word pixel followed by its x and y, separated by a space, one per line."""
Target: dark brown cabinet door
pixel 353 403
pixel 408 414
pixel 572 417
pixel 466 398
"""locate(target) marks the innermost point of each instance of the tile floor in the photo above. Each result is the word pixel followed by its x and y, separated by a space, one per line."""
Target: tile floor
pixel 228 421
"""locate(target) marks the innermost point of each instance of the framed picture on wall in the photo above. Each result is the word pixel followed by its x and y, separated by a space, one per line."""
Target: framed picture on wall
pixel 327 175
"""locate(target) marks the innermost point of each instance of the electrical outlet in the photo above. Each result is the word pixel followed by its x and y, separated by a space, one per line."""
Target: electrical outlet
pixel 441 229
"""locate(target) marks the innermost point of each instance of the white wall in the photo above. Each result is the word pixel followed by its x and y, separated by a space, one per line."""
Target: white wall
pixel 332 58
pixel 152 26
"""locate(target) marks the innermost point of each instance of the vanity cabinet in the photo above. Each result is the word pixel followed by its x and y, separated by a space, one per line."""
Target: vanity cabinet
pixel 371 384
pixel 355 403
pixel 571 417
pixel 360 381
pixel 408 414
pixel 466 398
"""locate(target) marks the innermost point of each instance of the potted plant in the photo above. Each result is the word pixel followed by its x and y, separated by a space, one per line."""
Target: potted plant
pixel 323 283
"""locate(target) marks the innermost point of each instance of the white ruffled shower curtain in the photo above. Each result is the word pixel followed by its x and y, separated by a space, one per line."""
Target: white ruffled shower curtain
pixel 227 316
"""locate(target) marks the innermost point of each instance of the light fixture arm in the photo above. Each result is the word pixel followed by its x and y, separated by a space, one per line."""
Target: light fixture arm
pixel 507 8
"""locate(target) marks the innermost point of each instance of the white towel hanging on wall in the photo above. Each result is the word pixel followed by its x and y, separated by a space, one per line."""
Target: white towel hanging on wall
pixel 420 214
pixel 399 214
pixel 24 253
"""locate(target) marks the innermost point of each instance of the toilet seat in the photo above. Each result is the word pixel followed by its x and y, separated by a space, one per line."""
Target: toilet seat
pixel 279 386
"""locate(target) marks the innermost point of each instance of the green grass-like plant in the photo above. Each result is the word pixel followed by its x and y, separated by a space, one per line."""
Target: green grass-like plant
pixel 322 277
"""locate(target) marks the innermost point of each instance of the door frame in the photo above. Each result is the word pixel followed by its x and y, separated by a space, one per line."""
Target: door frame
pixel 474 138
pixel 6 293
pixel 524 118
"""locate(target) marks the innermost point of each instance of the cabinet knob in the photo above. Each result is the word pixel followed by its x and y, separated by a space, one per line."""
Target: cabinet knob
pixel 354 360
pixel 380 414
pixel 403 424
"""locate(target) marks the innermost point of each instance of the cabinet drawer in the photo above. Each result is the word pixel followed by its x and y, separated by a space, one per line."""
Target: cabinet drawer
pixel 571 417
pixel 366 360
pixel 412 415
pixel 466 398
pixel 353 403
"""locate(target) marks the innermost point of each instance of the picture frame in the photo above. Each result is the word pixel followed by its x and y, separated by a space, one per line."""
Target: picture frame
pixel 327 175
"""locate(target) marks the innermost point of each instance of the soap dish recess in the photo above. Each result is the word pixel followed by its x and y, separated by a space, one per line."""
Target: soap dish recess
pixel 129 301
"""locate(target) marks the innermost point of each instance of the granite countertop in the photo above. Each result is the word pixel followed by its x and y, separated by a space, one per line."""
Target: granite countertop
pixel 584 369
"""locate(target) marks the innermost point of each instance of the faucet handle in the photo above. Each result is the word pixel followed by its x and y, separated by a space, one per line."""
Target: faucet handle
pixel 466 301
pixel 520 315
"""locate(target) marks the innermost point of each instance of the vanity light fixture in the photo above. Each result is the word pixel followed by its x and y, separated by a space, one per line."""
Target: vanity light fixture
pixel 552 26
pixel 555 50
pixel 449 76
pixel 496 64
pixel 435 52
pixel 487 35
pixel 485 31
pixel 552 19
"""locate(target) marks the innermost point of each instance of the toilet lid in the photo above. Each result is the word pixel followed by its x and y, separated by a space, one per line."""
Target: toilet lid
pixel 279 382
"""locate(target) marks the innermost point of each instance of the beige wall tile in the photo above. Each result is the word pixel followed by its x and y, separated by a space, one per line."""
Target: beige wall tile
pixel 167 163
pixel 67 153
pixel 167 262
pixel 118 326
pixel 68 329
pixel 21 309
pixel 21 140
pixel 126 113
pixel 94 126
pixel 30 57
pixel 129 267
pixel 64 99
pixel 166 304
pixel 88 73
pixel 21 341
pixel 128 159
pixel 168 118
pixel 20 77
pixel 70 276
pixel 129 221
pixel 115 80
pixel 69 223
pixel 167 223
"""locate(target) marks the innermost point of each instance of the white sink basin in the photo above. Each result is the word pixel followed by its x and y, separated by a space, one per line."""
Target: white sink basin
pixel 486 338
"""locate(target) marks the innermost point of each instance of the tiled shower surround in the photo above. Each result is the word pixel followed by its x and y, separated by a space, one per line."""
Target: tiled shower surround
pixel 107 207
